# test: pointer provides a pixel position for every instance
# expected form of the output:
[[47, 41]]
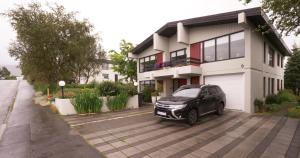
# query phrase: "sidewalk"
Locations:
[[34, 132]]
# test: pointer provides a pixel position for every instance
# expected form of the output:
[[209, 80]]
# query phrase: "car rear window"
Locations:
[[190, 92]]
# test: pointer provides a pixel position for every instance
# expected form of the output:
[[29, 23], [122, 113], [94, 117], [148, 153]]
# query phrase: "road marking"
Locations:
[[115, 118]]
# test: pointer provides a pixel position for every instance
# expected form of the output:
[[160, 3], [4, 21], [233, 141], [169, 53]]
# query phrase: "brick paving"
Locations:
[[137, 133]]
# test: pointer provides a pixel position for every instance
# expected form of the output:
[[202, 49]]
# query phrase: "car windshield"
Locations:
[[190, 93]]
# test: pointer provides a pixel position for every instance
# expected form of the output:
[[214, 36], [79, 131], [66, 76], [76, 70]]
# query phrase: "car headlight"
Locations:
[[180, 106]]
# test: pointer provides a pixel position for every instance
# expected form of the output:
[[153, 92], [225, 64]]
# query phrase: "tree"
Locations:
[[51, 44], [4, 72], [285, 14], [122, 64], [92, 67], [292, 72]]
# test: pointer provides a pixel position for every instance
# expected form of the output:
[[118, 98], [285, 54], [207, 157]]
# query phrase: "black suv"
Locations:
[[190, 102]]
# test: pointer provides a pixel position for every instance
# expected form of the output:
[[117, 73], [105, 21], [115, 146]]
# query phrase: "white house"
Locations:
[[223, 49], [106, 73]]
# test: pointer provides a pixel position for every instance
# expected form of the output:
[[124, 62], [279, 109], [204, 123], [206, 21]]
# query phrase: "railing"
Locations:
[[172, 63]]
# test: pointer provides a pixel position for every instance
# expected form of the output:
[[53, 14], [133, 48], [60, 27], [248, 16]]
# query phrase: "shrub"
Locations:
[[73, 85], [129, 88], [273, 99], [286, 96], [147, 95], [87, 102], [273, 107], [107, 88], [38, 86], [294, 112], [259, 105], [118, 102]]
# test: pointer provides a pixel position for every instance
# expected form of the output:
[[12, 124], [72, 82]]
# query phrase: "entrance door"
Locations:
[[195, 80]]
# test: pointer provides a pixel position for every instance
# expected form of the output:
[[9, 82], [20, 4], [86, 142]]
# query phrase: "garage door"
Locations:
[[233, 86]]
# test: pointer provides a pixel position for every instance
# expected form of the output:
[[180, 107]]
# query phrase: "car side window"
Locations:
[[204, 91], [212, 90]]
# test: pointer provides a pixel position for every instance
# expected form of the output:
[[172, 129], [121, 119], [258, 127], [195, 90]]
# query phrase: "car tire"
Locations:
[[220, 109], [192, 117]]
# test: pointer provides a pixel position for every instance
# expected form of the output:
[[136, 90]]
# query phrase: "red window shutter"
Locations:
[[196, 51], [159, 59]]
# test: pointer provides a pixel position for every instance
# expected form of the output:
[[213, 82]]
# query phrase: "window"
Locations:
[[269, 86], [223, 48], [105, 76], [281, 85], [116, 78], [265, 52], [278, 85], [105, 66], [282, 59], [237, 45], [272, 86], [147, 63], [271, 57], [178, 57], [148, 83], [264, 86], [278, 59], [212, 90], [142, 64], [209, 51]]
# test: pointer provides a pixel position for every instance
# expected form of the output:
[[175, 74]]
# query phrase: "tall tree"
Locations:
[[4, 72], [292, 72], [122, 64], [285, 14], [52, 44]]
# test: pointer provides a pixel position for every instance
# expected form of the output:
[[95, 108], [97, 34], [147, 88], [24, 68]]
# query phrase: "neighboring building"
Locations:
[[106, 74], [223, 49]]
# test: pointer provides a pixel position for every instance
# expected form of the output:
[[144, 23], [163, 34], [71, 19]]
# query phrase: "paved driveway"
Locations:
[[234, 135]]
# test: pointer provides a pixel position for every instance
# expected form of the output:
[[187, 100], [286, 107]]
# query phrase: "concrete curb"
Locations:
[[10, 109]]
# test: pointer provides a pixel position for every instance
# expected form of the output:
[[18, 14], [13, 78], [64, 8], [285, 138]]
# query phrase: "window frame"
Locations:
[[278, 59], [264, 86], [216, 49], [176, 55], [143, 58], [229, 47], [105, 76], [273, 57], [265, 52], [150, 83]]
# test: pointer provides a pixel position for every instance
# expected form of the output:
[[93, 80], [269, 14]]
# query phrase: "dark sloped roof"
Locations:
[[255, 15]]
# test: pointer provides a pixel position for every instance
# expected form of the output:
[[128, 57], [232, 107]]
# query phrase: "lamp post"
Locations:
[[62, 84]]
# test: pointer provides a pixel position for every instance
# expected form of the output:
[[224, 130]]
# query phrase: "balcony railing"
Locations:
[[172, 63]]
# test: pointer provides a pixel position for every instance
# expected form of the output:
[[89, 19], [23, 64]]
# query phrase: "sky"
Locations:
[[132, 20]]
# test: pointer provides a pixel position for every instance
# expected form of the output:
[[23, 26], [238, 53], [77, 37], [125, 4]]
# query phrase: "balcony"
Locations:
[[172, 63], [173, 68]]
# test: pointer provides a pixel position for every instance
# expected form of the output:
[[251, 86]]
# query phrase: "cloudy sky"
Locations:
[[133, 20]]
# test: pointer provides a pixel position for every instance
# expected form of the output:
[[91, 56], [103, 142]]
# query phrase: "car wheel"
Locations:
[[192, 117], [220, 109]]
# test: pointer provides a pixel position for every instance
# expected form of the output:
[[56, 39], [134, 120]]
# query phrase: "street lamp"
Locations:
[[62, 84]]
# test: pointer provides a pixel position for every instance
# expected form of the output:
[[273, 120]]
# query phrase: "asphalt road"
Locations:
[[35, 132], [8, 89]]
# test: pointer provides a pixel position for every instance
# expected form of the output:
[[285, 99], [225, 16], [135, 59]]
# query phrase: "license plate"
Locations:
[[161, 113]]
